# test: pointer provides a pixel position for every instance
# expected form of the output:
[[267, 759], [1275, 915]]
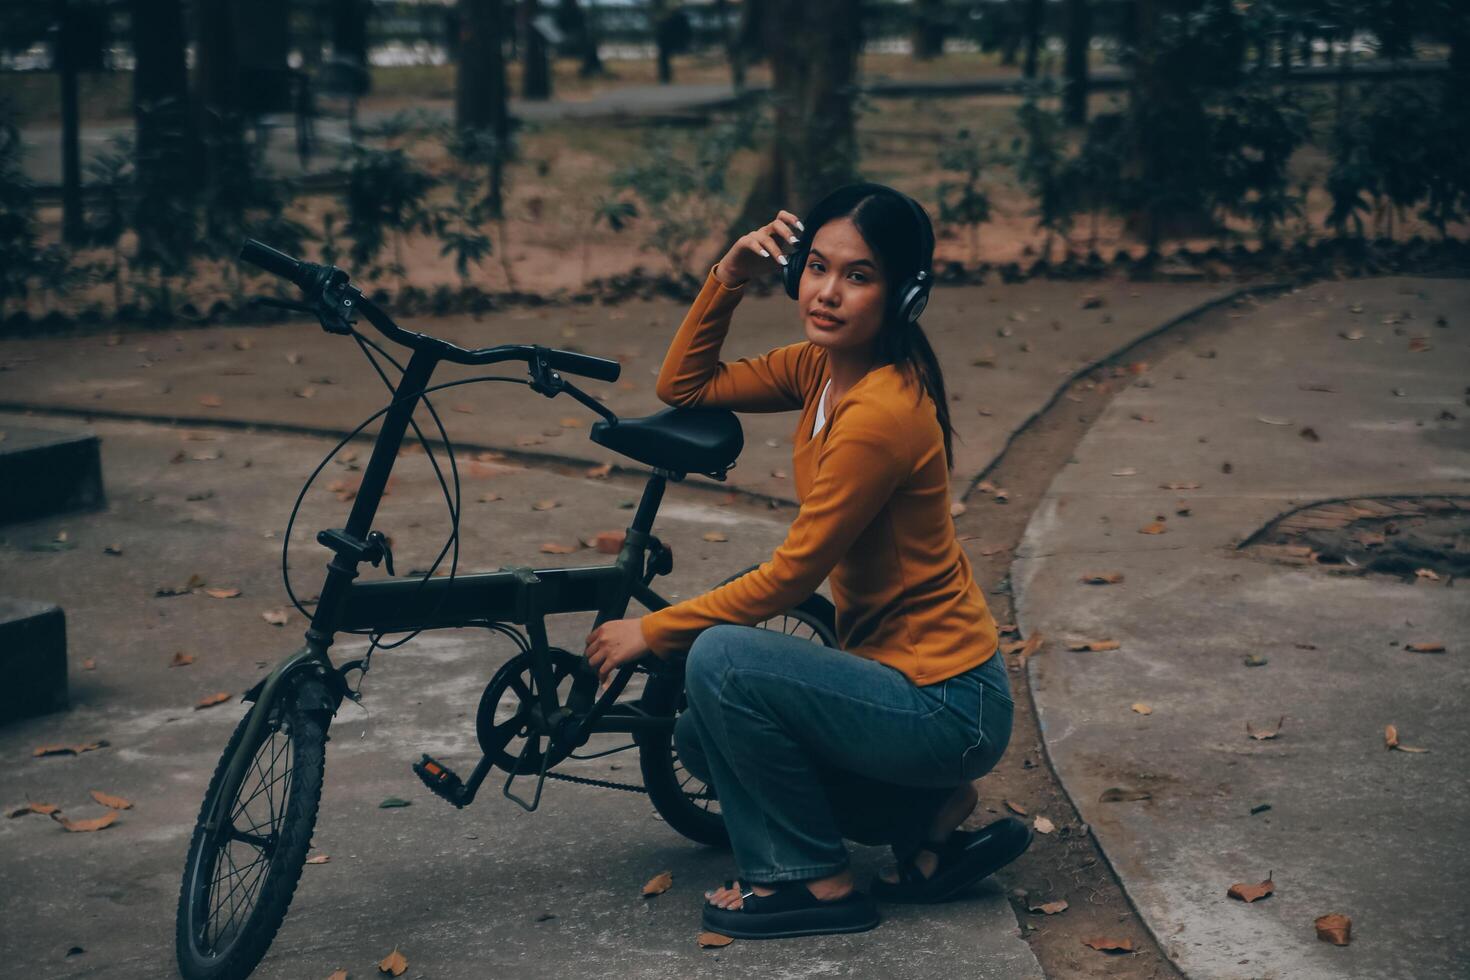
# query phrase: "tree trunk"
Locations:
[[73, 226], [165, 140], [732, 48], [216, 77], [480, 92], [813, 47], [536, 60], [658, 12], [349, 30], [1035, 22], [1079, 38], [928, 29]]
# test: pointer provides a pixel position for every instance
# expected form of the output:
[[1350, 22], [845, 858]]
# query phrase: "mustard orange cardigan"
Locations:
[[874, 493]]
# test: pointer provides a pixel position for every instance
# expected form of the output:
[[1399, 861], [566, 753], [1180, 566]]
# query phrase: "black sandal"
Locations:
[[792, 911], [965, 857]]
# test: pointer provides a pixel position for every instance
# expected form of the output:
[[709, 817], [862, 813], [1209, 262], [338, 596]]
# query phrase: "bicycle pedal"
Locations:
[[442, 781]]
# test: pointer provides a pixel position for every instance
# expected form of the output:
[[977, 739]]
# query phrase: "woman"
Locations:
[[880, 740]]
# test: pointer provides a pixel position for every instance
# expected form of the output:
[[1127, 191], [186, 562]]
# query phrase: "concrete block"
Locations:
[[32, 659], [45, 472]]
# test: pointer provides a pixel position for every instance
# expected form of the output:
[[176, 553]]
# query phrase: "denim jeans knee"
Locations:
[[708, 659]]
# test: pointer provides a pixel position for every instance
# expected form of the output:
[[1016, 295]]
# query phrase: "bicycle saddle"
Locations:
[[684, 440]]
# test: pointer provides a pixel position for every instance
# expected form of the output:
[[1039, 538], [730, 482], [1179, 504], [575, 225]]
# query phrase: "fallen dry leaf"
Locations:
[[394, 964], [211, 401], [86, 826], [547, 504], [1102, 578], [318, 859], [1118, 794], [107, 799], [1015, 808], [89, 664], [713, 940], [609, 542], [1126, 471], [212, 700], [223, 593], [1049, 908], [1391, 741], [553, 548], [1093, 645], [1250, 893], [1272, 420], [570, 422], [276, 617], [45, 750], [658, 884], [338, 974], [490, 498], [1043, 825], [181, 659], [1179, 486], [598, 472], [1140, 708], [1261, 736], [1334, 928], [714, 536], [1429, 647], [44, 809], [1157, 527], [1105, 945]]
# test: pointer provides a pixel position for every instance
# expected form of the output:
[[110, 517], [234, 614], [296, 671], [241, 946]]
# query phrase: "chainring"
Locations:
[[504, 719]]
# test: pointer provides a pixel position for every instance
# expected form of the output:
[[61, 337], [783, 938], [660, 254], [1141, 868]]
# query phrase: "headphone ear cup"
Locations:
[[791, 274]]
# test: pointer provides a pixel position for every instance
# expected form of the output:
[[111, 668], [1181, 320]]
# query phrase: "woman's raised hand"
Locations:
[[754, 253]]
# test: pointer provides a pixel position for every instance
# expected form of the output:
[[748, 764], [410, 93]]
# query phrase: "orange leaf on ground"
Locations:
[[1093, 645], [658, 884], [1015, 808], [1102, 578], [86, 826], [394, 964], [1179, 485], [1391, 741], [212, 700], [276, 617], [107, 799], [1430, 647], [1049, 908], [89, 664], [318, 859], [222, 593], [70, 749], [552, 548], [1250, 893], [609, 542], [1335, 928], [1106, 945], [1261, 736], [181, 659], [1157, 527], [211, 401], [1044, 826], [715, 536], [598, 472], [1140, 708], [44, 809], [713, 940], [547, 504]]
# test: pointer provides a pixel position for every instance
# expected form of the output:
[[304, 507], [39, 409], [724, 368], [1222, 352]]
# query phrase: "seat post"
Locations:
[[653, 495]]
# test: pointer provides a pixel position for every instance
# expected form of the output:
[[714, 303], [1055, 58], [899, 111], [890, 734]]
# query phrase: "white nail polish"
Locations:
[[765, 253], [793, 239], [781, 259], [800, 226]]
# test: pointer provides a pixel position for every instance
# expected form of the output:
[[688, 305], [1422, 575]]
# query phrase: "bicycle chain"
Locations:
[[600, 783]]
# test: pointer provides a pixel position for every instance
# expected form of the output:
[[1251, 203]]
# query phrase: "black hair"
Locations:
[[888, 226]]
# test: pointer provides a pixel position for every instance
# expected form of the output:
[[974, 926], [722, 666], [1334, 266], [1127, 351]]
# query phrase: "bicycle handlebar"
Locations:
[[314, 280]]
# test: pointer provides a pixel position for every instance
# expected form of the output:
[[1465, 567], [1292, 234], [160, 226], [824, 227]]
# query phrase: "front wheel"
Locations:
[[680, 797], [239, 879]]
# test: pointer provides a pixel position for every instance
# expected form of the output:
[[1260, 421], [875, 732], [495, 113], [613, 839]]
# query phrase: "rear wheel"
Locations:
[[239, 879], [680, 797]]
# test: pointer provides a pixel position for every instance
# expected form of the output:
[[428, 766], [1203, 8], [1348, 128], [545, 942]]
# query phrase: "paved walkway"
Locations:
[[1345, 825]]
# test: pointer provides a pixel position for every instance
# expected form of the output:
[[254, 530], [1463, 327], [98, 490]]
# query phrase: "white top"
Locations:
[[821, 415]]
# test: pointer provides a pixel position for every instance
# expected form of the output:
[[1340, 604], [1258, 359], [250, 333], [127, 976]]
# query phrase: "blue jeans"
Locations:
[[805, 745]]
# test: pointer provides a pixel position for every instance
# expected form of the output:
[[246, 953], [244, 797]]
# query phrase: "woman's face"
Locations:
[[842, 292]]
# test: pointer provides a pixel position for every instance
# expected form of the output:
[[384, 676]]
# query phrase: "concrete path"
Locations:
[[464, 894], [1345, 825], [172, 374]]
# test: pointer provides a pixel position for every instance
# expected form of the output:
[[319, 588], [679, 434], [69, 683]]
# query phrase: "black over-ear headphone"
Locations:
[[908, 300]]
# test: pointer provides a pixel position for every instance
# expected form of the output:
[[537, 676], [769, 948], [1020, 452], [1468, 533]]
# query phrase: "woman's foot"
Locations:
[[828, 889], [961, 804]]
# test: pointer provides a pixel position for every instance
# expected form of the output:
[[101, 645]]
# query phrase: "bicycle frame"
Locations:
[[515, 594]]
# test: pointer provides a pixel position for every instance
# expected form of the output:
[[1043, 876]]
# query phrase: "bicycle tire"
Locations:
[[306, 737], [688, 811]]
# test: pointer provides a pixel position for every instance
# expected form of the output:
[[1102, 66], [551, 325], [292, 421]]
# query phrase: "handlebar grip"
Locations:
[[271, 260], [586, 365]]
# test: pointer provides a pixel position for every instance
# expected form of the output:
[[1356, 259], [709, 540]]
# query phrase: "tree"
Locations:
[[535, 58], [928, 29], [1035, 28], [165, 131], [813, 49], [1079, 38], [671, 35], [480, 87]]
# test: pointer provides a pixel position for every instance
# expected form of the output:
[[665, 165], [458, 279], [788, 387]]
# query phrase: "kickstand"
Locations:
[[540, 777]]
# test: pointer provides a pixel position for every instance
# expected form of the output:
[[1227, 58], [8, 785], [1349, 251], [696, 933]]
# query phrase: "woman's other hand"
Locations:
[[754, 253], [613, 644]]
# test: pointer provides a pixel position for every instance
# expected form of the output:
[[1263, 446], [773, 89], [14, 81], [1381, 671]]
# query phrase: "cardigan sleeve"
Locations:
[[693, 376], [865, 459]]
